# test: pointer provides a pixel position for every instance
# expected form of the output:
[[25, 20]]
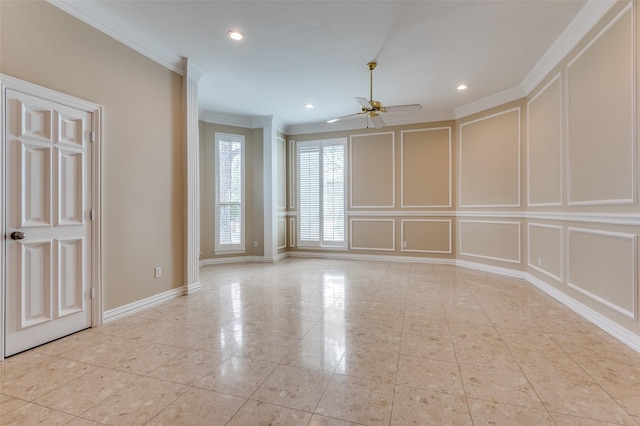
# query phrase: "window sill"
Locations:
[[336, 248], [223, 252]]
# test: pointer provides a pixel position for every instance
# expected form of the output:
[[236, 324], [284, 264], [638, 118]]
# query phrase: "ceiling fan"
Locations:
[[373, 108]]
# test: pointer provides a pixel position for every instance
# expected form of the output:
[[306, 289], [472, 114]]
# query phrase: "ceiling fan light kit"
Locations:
[[372, 108]]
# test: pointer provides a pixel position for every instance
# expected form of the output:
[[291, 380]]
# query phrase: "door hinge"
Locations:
[[91, 214], [93, 293], [92, 136]]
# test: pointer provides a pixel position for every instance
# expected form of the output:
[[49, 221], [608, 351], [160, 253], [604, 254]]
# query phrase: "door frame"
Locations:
[[8, 82]]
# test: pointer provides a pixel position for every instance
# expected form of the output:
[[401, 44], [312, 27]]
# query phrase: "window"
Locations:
[[229, 154], [321, 193]]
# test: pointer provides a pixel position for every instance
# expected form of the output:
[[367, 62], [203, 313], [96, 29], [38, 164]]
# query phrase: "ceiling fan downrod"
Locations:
[[371, 66]]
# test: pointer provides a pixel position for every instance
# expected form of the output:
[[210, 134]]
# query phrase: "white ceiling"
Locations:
[[303, 51]]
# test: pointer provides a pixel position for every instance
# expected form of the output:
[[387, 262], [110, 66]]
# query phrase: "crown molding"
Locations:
[[584, 21], [192, 70], [91, 14], [243, 121], [358, 123], [492, 101], [581, 24]]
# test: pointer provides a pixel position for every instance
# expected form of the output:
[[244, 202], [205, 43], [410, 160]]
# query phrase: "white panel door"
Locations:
[[48, 240]]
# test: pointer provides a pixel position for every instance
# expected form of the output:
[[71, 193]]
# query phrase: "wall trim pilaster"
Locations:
[[192, 178]]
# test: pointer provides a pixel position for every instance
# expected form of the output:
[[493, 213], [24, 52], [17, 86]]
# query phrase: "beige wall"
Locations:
[[254, 205], [426, 168], [600, 98], [546, 185], [142, 155], [582, 130], [545, 150], [400, 190], [489, 160]]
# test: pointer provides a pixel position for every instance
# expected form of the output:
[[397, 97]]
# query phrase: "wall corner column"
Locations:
[[192, 74], [270, 153]]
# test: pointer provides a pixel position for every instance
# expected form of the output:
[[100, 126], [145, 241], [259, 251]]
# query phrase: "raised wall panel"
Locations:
[[489, 152], [601, 265], [70, 187], [372, 170], [545, 249], [70, 277], [496, 240], [282, 233], [35, 283], [36, 185], [544, 146], [601, 146], [426, 167], [373, 234], [426, 235]]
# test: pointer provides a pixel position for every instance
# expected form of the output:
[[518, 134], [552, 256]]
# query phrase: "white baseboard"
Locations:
[[140, 305], [370, 257], [230, 259], [599, 320], [596, 318], [242, 259], [492, 269], [188, 289]]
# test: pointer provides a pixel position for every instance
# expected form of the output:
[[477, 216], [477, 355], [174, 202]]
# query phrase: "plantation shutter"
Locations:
[[333, 193], [309, 192], [230, 192], [321, 193]]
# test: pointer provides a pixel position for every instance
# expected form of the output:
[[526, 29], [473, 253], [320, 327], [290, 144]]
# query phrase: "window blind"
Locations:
[[321, 193], [333, 193], [309, 189], [229, 163]]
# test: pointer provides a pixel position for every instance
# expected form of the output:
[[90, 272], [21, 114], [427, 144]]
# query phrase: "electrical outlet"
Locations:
[[404, 244], [539, 261], [255, 244], [158, 272]]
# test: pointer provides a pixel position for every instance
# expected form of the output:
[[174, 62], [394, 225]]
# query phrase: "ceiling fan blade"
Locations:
[[403, 108], [363, 103], [333, 120], [377, 121]]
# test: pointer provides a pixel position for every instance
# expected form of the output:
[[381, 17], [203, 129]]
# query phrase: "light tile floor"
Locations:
[[330, 342]]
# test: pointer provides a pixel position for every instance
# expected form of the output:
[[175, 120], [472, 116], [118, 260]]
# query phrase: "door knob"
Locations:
[[17, 235]]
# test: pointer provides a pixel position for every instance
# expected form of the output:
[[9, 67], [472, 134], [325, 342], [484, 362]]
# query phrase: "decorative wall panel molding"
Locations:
[[292, 232], [489, 161], [545, 182], [601, 117], [282, 233], [426, 168], [281, 174], [426, 235], [292, 174], [493, 240], [372, 170], [372, 234], [540, 259], [602, 266]]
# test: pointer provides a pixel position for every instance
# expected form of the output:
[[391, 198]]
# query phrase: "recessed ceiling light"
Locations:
[[235, 35], [462, 87], [309, 106]]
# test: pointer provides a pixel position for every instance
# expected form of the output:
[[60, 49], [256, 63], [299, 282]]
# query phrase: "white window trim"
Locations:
[[229, 248], [321, 243]]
